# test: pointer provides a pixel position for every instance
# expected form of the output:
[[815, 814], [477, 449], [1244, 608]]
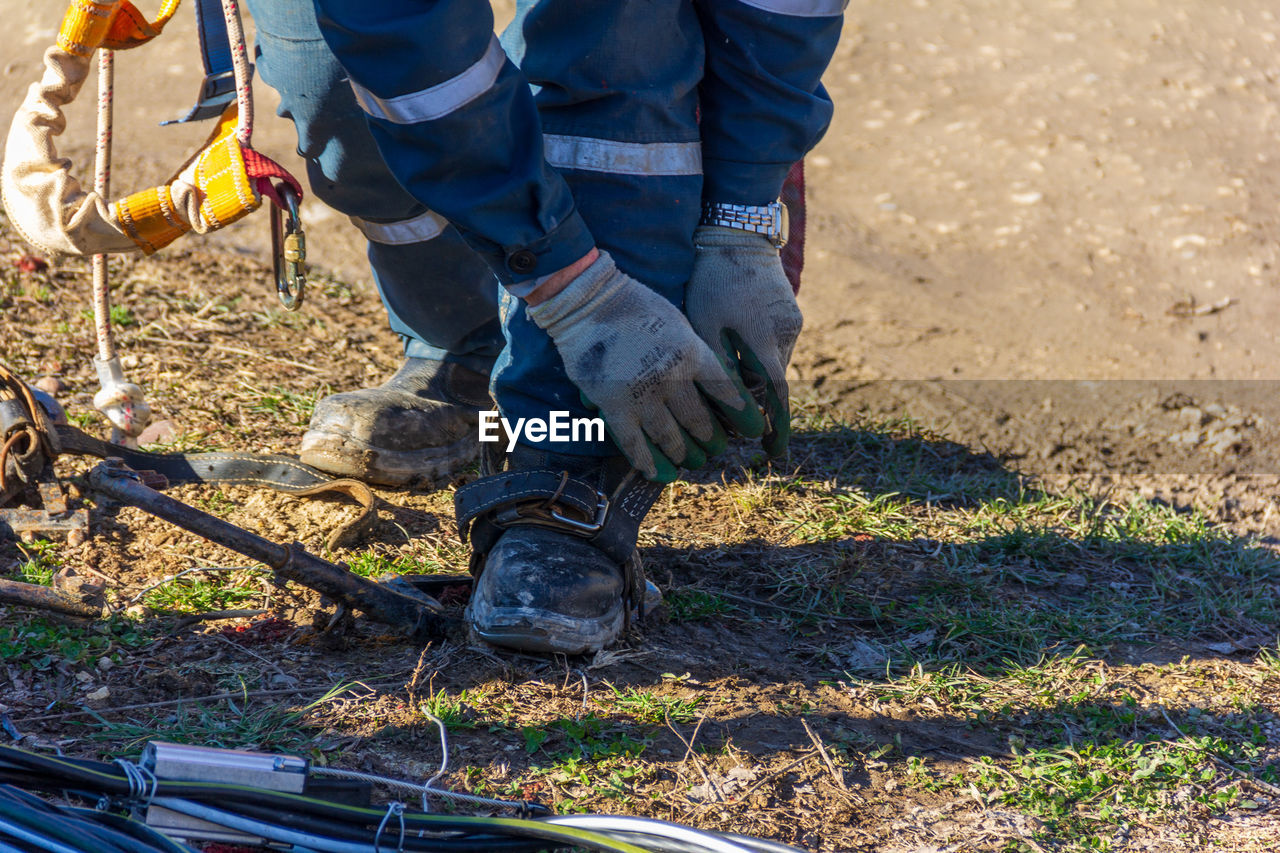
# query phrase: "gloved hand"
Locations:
[[633, 355], [740, 302]]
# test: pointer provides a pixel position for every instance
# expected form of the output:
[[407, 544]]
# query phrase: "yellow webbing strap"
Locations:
[[218, 173], [116, 24], [221, 175]]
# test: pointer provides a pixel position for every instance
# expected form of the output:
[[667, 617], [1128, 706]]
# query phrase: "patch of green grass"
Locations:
[[190, 594], [289, 406], [583, 758], [692, 605], [1083, 794], [590, 737], [119, 314], [37, 643], [216, 503], [232, 724], [435, 557], [369, 564], [1007, 582], [655, 708], [280, 318], [1269, 660], [84, 420], [842, 515], [41, 562], [453, 711], [1087, 757], [896, 455]]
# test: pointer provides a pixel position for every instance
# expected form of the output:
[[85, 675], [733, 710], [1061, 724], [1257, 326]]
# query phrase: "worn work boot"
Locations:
[[419, 428], [553, 544]]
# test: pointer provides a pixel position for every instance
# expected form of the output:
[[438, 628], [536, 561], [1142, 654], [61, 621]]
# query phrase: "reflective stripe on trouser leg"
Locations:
[[441, 297], [800, 8], [616, 89], [346, 172]]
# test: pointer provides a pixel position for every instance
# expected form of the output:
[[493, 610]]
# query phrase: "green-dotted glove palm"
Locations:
[[635, 357], [740, 302]]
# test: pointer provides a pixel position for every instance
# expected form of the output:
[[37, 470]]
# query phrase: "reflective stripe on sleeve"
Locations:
[[623, 158], [419, 229], [439, 100], [800, 8]]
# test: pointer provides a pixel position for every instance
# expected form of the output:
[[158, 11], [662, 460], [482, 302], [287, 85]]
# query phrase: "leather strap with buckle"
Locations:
[[553, 499]]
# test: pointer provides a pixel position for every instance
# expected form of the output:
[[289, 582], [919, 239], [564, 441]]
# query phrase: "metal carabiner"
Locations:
[[288, 250]]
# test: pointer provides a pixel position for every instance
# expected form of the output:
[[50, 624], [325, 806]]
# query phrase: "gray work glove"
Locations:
[[740, 302], [634, 357]]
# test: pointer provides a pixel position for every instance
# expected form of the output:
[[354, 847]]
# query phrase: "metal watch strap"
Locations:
[[769, 220]]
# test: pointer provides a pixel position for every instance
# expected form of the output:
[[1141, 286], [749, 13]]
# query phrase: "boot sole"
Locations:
[[430, 468], [529, 630]]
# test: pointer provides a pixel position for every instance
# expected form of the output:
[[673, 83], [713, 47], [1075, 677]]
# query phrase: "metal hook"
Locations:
[[288, 250], [397, 809]]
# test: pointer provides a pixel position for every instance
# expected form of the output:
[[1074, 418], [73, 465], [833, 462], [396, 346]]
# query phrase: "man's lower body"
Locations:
[[419, 427], [553, 535], [616, 88]]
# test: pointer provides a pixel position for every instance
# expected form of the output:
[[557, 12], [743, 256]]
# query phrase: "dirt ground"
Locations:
[[1045, 231]]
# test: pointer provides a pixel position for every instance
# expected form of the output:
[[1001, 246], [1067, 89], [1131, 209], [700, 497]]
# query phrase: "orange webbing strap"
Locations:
[[116, 24], [131, 28], [147, 218], [85, 25]]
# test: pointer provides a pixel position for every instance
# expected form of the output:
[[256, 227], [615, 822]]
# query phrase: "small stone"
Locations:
[[159, 432], [83, 677], [99, 695], [1027, 198], [50, 385]]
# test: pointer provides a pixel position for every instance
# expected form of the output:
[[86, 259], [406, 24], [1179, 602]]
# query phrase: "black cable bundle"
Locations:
[[30, 825]]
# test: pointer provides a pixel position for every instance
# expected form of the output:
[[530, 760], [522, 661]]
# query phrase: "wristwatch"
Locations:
[[767, 219]]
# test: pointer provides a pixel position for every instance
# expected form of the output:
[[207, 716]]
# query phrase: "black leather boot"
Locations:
[[553, 543]]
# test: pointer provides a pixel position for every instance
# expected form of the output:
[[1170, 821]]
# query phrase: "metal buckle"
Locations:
[[782, 224], [602, 512], [218, 86], [288, 250]]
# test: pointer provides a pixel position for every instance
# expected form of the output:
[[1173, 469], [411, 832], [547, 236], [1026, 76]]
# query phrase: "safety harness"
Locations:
[[225, 180], [221, 183]]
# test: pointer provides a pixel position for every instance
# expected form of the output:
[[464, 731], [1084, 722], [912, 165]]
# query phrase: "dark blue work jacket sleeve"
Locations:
[[763, 105], [456, 123]]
